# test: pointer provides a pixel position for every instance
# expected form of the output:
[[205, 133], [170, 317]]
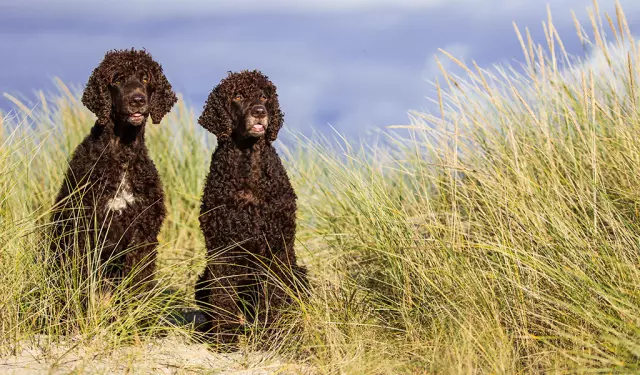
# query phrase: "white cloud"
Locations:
[[612, 74]]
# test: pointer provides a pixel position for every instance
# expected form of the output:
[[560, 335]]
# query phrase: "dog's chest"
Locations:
[[247, 196], [123, 196]]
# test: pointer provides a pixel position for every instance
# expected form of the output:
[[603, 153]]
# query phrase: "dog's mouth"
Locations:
[[136, 118], [257, 126]]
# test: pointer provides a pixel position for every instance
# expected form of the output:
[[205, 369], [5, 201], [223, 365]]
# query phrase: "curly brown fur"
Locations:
[[248, 211], [112, 198]]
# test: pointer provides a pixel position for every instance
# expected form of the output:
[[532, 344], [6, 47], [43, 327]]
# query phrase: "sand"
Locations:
[[171, 355]]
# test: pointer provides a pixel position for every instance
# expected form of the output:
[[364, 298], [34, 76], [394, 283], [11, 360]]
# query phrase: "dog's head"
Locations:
[[243, 105], [128, 86]]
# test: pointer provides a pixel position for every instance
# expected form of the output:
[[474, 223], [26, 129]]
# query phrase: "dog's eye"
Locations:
[[116, 80], [263, 98], [237, 98], [145, 79]]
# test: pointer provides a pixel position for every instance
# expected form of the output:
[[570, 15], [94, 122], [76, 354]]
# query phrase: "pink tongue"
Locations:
[[258, 127]]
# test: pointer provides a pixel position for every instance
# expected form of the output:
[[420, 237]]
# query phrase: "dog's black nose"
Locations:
[[138, 99], [258, 111]]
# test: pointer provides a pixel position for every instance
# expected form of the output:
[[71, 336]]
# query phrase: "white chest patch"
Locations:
[[123, 196]]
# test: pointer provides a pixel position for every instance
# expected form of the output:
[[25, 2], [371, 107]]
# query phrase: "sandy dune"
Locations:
[[166, 356]]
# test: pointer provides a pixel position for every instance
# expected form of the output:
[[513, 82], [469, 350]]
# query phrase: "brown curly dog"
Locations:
[[248, 211], [111, 203]]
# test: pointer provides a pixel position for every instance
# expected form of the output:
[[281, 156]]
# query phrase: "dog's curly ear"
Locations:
[[276, 117], [215, 115], [96, 96], [163, 97]]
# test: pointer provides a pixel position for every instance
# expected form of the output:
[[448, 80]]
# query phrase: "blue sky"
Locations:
[[356, 65]]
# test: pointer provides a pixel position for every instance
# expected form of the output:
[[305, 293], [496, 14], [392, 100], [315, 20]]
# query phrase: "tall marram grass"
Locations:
[[502, 236]]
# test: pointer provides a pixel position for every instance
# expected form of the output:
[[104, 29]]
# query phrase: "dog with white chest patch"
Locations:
[[111, 202]]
